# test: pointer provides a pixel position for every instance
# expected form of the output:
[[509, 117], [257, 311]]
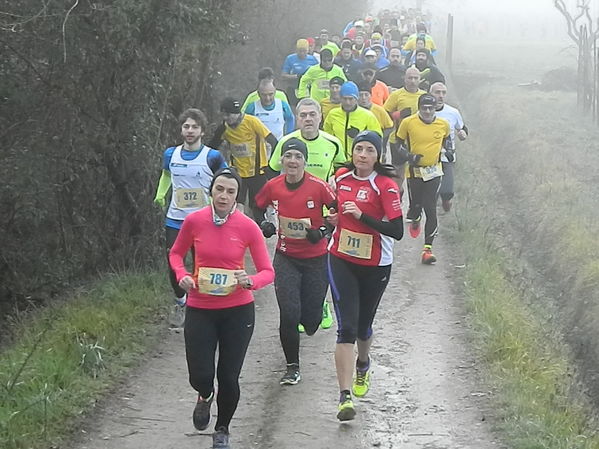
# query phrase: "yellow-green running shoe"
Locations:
[[300, 328], [327, 317], [361, 383], [346, 410]]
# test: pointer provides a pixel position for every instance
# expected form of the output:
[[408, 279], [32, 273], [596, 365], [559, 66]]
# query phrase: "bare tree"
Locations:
[[584, 31], [578, 20]]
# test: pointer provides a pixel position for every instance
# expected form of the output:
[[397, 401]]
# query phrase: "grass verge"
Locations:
[[528, 365], [65, 356]]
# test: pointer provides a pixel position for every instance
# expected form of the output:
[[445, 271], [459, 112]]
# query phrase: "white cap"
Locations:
[[370, 52]]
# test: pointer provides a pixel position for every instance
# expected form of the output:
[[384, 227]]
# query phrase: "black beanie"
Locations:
[[227, 172], [372, 137], [295, 144]]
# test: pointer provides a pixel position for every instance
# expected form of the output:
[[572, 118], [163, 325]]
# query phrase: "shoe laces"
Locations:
[[361, 377]]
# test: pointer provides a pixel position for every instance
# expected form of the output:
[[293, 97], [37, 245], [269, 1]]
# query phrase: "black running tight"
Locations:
[[231, 331]]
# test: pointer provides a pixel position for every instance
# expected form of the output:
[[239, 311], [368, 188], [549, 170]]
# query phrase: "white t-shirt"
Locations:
[[453, 116]]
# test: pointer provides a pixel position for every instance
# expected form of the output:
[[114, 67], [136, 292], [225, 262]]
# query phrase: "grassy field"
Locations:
[[66, 356], [527, 222]]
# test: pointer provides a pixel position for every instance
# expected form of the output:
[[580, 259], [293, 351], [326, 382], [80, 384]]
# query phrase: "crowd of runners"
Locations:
[[320, 162]]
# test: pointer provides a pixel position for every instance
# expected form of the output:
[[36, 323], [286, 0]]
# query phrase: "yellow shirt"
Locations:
[[410, 45], [339, 122], [424, 138], [247, 145], [382, 116], [327, 105], [402, 100]]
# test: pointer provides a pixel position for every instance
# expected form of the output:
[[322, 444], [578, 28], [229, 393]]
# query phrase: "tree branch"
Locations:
[[572, 30]]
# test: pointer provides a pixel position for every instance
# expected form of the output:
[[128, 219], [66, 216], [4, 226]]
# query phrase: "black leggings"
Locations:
[[301, 286], [357, 291], [229, 329], [423, 195], [446, 189], [171, 236]]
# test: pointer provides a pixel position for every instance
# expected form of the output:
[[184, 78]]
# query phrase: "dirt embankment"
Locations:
[[536, 158]]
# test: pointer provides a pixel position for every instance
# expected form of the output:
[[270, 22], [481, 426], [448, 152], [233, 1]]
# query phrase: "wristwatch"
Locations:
[[249, 283]]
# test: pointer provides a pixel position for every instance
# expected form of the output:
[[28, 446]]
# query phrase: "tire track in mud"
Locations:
[[423, 391]]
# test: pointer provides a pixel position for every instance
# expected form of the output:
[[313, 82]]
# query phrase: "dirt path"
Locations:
[[423, 392]]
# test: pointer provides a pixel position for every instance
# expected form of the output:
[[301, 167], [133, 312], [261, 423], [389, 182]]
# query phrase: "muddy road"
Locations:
[[424, 391]]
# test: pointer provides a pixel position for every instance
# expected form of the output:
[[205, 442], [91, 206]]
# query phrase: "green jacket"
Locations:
[[315, 82]]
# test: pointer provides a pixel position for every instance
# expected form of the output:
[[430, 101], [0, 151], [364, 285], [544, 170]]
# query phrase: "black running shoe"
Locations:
[[220, 439], [292, 376], [201, 413]]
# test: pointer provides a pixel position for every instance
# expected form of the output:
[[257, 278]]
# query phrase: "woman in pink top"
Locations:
[[220, 304]]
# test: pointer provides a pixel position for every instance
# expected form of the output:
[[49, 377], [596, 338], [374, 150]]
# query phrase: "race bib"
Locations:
[[216, 281], [241, 150], [431, 172], [294, 228], [323, 84], [355, 244], [190, 198]]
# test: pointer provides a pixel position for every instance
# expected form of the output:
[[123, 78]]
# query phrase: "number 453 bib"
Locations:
[[294, 228], [216, 281], [355, 244]]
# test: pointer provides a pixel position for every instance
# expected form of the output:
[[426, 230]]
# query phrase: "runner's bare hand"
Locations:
[[187, 283], [349, 207]]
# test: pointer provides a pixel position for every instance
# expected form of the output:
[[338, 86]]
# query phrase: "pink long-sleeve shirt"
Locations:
[[221, 247]]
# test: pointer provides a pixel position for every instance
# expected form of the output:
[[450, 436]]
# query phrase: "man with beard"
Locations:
[[246, 137], [393, 75], [187, 169], [429, 73], [349, 120], [456, 128], [379, 90], [315, 82], [345, 59], [422, 137]]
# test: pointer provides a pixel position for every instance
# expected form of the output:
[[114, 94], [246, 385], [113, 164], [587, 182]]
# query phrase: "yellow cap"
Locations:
[[302, 44]]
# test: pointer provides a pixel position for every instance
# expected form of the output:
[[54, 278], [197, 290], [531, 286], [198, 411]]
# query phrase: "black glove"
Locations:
[[352, 132], [450, 155], [268, 229], [315, 235], [413, 159]]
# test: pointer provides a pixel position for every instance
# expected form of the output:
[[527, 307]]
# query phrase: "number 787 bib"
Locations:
[[216, 281]]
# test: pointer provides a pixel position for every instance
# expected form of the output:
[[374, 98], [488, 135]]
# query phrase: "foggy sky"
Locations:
[[505, 19]]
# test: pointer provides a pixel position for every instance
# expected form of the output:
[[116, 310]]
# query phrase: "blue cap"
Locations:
[[349, 89], [373, 137]]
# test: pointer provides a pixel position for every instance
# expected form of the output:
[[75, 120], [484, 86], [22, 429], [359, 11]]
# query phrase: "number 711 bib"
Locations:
[[355, 244], [216, 281]]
